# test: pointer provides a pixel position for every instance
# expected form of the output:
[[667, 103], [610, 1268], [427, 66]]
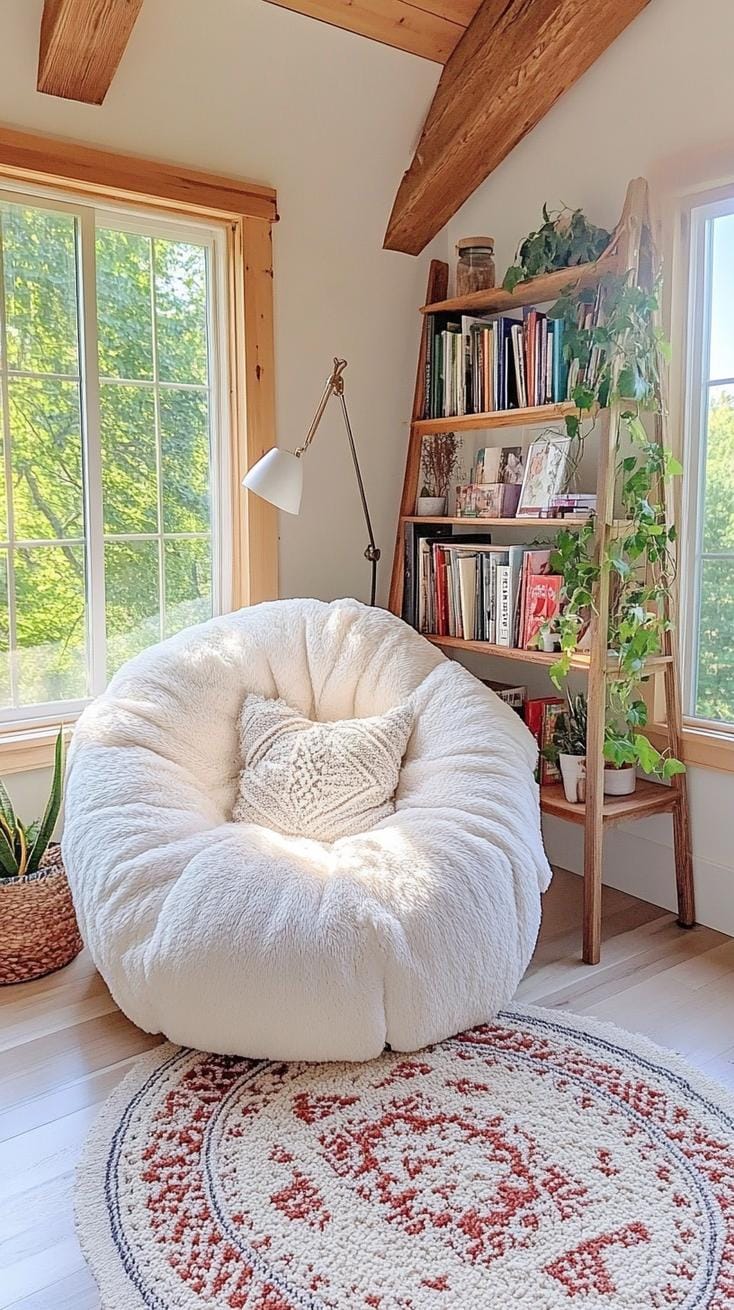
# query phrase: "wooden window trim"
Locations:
[[247, 210], [676, 184]]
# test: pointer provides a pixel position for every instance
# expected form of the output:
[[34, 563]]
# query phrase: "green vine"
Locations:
[[619, 355], [565, 238]]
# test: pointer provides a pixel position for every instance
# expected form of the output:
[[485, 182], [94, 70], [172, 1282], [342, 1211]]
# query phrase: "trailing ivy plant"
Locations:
[[624, 348], [565, 238]]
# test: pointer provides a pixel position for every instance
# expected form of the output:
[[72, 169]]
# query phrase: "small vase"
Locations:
[[549, 642], [573, 772], [431, 506], [620, 782]]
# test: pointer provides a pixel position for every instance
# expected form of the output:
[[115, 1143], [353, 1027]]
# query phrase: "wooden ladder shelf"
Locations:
[[631, 248]]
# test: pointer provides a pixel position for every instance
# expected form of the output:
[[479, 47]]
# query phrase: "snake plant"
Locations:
[[21, 848]]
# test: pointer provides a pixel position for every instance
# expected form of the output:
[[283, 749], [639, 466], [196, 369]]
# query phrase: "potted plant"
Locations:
[[440, 461], [568, 748], [38, 928]]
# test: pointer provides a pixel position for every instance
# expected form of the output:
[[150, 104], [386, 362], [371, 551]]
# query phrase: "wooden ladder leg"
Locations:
[[682, 845]]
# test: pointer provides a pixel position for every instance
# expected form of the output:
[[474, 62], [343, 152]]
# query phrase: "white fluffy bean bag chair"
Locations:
[[236, 939]]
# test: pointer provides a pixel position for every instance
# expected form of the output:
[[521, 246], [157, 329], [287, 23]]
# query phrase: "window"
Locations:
[[114, 505], [708, 558]]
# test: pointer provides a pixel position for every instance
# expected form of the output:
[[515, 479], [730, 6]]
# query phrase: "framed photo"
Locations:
[[545, 474]]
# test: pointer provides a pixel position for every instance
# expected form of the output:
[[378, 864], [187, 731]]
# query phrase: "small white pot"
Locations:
[[550, 642], [620, 782], [573, 772], [431, 506]]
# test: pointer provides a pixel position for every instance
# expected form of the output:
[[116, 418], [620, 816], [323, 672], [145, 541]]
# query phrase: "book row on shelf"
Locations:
[[478, 364], [469, 588], [540, 714]]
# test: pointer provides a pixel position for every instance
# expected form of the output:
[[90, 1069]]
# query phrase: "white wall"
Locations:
[[329, 119], [662, 89]]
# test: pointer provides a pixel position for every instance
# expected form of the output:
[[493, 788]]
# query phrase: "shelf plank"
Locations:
[[498, 418], [536, 291], [466, 522], [649, 798], [579, 661]]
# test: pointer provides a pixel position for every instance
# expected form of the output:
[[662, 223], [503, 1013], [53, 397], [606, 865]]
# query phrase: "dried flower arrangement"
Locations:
[[440, 463]]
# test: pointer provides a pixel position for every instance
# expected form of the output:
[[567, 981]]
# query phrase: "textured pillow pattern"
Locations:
[[319, 780]]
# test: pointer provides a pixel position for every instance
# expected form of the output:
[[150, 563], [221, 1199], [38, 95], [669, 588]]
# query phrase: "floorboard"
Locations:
[[64, 1046]]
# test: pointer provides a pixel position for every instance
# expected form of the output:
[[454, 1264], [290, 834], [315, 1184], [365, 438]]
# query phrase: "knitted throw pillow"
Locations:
[[320, 780]]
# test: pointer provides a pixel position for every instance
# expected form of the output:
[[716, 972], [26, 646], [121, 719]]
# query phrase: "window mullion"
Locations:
[[92, 440], [158, 453]]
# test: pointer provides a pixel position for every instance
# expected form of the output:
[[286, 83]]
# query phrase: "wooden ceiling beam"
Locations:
[[514, 60], [430, 28], [82, 43]]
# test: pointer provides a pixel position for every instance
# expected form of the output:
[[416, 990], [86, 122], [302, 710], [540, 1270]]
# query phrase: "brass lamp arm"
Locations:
[[335, 387]]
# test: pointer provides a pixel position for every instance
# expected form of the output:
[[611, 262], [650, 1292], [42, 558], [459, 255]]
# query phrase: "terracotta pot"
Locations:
[[38, 928]]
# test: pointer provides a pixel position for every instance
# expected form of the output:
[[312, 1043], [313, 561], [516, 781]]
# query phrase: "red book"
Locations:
[[542, 602], [442, 612], [540, 714]]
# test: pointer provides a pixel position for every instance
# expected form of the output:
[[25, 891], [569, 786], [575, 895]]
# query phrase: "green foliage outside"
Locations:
[[715, 691], [151, 310]]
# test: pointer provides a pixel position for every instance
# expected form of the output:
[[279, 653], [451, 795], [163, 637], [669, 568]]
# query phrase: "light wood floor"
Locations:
[[64, 1046]]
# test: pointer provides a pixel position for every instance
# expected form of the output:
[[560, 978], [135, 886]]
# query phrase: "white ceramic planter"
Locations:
[[620, 782], [430, 506], [549, 642], [573, 772]]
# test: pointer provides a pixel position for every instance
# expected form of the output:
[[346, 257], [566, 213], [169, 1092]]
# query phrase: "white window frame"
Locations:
[[693, 267], [163, 224]]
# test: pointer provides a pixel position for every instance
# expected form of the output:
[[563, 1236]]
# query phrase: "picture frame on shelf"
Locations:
[[546, 469]]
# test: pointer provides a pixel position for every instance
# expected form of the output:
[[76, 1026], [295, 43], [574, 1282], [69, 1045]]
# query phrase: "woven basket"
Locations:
[[38, 927]]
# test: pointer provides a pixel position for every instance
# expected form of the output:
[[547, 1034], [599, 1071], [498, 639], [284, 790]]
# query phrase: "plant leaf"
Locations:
[[8, 858], [51, 814]]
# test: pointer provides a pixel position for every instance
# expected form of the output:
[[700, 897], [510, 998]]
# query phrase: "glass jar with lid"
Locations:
[[475, 265]]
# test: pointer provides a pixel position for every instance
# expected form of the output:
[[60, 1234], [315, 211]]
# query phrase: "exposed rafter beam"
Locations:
[[430, 28], [511, 65], [82, 43]]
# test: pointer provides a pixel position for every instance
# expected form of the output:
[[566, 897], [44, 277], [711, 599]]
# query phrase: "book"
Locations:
[[534, 713], [467, 569], [503, 605], [542, 603], [536, 561], [549, 771], [512, 695]]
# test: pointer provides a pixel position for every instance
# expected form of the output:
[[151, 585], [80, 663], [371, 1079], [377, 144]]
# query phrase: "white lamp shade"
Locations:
[[277, 477]]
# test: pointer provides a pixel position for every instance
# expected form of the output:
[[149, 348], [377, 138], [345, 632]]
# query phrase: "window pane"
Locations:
[[3, 495], [188, 584], [721, 363], [180, 306], [132, 603], [124, 315], [715, 692], [5, 689], [184, 424], [718, 529], [51, 659], [46, 459], [129, 475], [39, 260]]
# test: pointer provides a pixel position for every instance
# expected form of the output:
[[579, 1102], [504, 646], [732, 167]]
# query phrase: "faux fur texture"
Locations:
[[321, 780], [236, 939]]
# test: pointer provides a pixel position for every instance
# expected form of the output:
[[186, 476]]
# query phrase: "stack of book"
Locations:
[[479, 364], [575, 505], [477, 591], [494, 490]]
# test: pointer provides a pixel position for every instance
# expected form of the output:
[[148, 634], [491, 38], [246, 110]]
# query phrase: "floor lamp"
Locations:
[[278, 475]]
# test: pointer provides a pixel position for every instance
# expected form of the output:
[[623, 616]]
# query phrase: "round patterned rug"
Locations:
[[540, 1161]]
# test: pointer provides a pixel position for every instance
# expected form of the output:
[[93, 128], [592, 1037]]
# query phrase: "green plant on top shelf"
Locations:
[[564, 239], [620, 355], [23, 848]]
